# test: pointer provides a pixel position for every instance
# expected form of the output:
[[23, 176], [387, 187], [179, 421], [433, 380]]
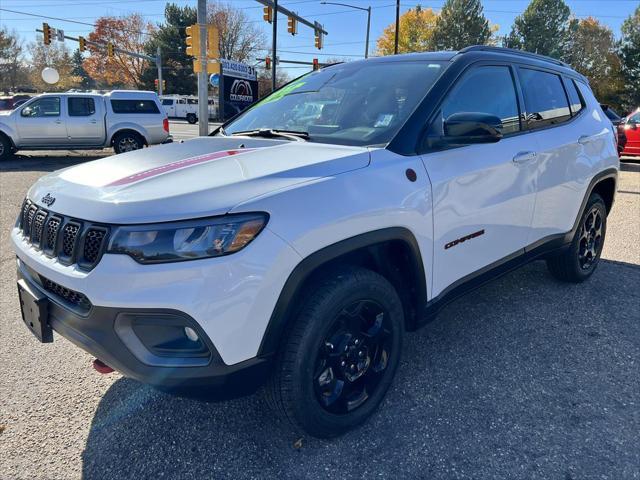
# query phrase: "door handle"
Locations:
[[57, 121], [524, 157], [94, 121]]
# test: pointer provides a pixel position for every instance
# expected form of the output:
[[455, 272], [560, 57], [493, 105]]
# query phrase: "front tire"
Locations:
[[127, 142], [191, 118], [580, 260], [341, 354], [6, 149]]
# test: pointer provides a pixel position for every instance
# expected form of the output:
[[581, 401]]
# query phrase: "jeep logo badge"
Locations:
[[48, 200]]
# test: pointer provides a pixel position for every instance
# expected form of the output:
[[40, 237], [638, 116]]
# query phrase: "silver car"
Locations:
[[125, 120]]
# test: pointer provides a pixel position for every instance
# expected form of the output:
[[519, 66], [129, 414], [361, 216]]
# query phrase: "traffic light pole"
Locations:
[[203, 93], [159, 65], [275, 42]]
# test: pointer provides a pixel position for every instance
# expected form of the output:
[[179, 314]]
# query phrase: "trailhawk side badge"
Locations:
[[48, 200], [463, 239]]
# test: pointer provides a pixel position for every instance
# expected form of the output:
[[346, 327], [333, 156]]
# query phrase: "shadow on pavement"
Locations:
[[525, 377], [48, 163]]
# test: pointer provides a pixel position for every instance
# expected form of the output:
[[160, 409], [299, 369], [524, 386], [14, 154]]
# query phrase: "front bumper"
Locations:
[[107, 334]]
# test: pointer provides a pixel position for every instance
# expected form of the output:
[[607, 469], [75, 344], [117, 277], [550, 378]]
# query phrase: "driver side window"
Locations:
[[43, 107], [488, 90]]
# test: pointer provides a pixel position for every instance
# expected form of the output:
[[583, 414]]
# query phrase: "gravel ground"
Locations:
[[524, 378]]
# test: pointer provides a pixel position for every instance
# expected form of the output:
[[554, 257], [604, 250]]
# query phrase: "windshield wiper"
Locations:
[[271, 133]]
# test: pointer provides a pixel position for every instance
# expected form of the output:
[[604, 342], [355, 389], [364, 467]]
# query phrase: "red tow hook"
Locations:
[[101, 367]]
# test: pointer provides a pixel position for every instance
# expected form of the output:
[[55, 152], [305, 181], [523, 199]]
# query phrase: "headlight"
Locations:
[[189, 240]]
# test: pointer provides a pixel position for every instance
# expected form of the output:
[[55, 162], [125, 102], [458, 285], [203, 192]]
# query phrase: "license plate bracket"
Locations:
[[34, 306]]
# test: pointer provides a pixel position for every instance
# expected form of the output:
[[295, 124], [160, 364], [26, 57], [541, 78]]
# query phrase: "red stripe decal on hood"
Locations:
[[169, 167]]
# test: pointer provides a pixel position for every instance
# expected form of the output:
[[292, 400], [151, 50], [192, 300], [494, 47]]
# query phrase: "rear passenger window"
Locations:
[[487, 90], [544, 98], [81, 107], [575, 100], [134, 106]]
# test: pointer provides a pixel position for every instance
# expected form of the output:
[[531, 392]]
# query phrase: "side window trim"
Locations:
[[583, 104]]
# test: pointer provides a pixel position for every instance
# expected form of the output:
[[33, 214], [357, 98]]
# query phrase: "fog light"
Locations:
[[191, 334]]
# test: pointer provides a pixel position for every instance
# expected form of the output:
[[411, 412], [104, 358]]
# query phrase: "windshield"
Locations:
[[349, 104]]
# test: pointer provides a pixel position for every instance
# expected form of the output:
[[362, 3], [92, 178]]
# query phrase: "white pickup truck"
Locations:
[[124, 120]]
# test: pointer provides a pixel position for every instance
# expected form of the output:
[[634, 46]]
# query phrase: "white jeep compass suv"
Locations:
[[297, 245]]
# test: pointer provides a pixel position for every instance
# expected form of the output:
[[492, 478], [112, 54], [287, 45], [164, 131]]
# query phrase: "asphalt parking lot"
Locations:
[[524, 378]]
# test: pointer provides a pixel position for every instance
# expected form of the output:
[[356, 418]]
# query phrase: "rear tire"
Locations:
[[127, 142], [579, 261], [191, 118], [6, 149], [341, 354]]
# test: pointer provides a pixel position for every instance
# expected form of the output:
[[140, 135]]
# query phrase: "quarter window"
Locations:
[[81, 107], [167, 101], [575, 100], [488, 90], [544, 98], [43, 107], [134, 106]]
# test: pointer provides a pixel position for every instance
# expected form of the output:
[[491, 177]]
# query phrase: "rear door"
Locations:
[[169, 105], [85, 121], [483, 194], [41, 123], [571, 135]]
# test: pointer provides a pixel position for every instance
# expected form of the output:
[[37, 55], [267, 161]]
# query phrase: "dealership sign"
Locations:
[[240, 86]]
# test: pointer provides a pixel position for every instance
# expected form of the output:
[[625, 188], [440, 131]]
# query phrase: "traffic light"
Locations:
[[318, 41], [193, 41], [292, 25], [316, 65], [164, 84], [213, 42], [267, 14], [82, 44], [110, 50], [46, 33], [267, 63]]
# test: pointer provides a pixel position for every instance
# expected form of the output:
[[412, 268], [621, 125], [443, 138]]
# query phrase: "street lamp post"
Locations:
[[368, 10]]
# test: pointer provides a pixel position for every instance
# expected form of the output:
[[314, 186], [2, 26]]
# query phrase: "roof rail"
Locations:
[[513, 51]]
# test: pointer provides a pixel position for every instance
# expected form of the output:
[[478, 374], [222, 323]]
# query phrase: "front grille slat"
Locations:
[[67, 239], [70, 296]]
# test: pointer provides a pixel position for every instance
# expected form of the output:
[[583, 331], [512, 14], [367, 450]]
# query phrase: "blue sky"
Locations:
[[346, 27]]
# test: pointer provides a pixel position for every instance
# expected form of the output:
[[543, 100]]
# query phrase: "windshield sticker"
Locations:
[[384, 120], [169, 167], [283, 92]]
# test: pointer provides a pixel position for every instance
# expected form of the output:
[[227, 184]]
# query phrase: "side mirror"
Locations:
[[27, 112], [466, 128]]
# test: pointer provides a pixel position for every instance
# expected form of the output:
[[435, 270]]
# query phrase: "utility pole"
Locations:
[[274, 46], [159, 65], [203, 90], [395, 48]]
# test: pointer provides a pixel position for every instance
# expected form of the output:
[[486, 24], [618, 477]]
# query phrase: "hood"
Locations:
[[198, 178]]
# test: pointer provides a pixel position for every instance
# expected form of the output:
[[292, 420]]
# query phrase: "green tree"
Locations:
[[630, 57], [85, 81], [416, 31], [461, 23], [591, 51], [542, 28], [177, 67], [12, 69]]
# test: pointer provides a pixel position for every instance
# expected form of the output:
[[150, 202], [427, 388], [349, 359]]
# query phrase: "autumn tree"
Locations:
[[56, 56], [630, 57], [416, 32], [591, 51], [461, 23], [542, 28], [128, 33], [240, 39], [12, 69]]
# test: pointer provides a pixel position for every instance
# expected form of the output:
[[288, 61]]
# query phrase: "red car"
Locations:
[[629, 135]]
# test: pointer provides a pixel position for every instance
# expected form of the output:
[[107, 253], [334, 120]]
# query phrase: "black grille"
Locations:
[[36, 228], [69, 296], [70, 240], [69, 236], [93, 244]]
